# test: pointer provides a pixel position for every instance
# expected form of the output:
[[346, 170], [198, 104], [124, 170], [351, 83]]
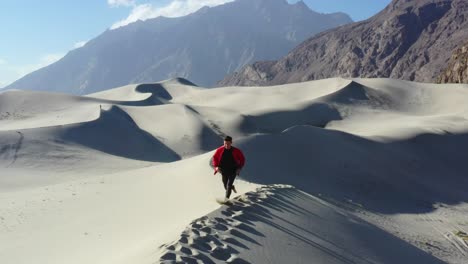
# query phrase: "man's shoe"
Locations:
[[234, 189]]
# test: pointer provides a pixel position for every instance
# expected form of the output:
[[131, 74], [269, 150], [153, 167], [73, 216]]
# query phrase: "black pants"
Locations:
[[228, 181]]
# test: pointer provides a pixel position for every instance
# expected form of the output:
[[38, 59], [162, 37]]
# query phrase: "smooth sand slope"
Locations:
[[338, 171]]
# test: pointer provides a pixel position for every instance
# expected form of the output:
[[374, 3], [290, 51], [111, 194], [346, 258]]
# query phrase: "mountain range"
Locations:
[[202, 47], [409, 39]]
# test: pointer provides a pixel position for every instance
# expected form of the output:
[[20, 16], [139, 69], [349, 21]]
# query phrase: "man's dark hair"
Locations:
[[228, 138]]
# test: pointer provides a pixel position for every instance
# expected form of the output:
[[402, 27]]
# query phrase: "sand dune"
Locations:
[[193, 136], [279, 216], [28, 109], [112, 218], [127, 140], [370, 166]]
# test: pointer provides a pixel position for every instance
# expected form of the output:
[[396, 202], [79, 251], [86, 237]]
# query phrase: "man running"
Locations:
[[228, 160]]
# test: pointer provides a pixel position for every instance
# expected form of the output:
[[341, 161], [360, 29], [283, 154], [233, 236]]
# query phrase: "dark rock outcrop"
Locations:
[[457, 70]]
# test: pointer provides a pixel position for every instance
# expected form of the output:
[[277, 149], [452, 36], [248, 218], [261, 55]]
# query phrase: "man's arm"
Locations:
[[241, 161], [216, 159]]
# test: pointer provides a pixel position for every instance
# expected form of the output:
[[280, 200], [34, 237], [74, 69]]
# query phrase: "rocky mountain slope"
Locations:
[[409, 39]]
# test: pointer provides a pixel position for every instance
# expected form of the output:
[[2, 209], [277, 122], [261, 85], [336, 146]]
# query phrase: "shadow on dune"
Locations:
[[291, 217], [159, 95], [182, 81], [156, 89], [115, 133], [317, 114], [209, 138], [408, 176], [355, 92]]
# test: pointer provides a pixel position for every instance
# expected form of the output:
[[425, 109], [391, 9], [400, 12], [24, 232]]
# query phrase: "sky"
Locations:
[[36, 33]]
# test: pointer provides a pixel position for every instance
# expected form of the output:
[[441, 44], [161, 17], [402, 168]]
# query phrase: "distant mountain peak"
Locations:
[[204, 9], [269, 4], [268, 1], [301, 4], [202, 47]]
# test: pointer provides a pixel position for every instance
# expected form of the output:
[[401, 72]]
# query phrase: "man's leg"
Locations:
[[225, 180], [230, 182]]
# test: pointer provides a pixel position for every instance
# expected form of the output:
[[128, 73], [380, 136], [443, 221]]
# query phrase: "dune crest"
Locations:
[[349, 170]]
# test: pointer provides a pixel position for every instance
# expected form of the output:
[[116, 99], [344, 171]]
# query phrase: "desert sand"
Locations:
[[338, 171]]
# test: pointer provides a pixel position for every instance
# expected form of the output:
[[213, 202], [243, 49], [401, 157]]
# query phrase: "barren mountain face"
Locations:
[[409, 39]]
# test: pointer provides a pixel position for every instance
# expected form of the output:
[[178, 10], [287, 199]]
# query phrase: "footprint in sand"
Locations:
[[211, 240]]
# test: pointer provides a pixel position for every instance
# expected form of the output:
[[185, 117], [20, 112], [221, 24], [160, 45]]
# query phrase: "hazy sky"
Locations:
[[35, 33]]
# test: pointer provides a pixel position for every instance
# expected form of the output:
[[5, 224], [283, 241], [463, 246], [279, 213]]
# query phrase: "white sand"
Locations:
[[374, 171]]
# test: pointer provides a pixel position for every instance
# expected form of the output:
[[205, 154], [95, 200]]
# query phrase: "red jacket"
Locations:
[[236, 154]]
